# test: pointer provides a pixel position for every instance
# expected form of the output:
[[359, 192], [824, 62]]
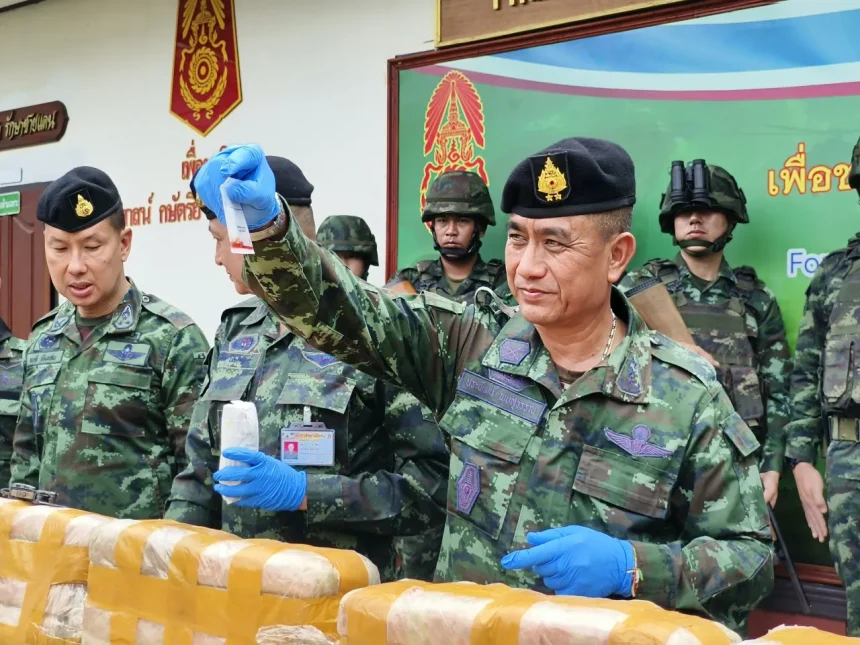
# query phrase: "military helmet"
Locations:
[[459, 192], [348, 234], [854, 174], [701, 186]]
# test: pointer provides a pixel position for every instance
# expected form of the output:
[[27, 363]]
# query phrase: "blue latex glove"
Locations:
[[578, 561], [270, 484], [254, 192]]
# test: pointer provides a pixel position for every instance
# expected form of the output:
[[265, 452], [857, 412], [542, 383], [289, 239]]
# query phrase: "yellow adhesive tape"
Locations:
[[499, 622], [185, 608], [41, 564]]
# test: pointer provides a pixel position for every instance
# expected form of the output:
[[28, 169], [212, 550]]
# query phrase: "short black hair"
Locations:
[[615, 222], [117, 220]]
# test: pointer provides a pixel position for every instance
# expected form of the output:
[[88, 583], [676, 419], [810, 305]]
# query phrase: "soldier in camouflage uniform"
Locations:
[[459, 209], [590, 456], [825, 402], [351, 239], [11, 379], [730, 313], [386, 473], [111, 375]]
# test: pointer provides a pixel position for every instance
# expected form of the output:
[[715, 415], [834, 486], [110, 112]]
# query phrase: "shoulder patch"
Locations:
[[668, 351], [748, 279], [167, 311]]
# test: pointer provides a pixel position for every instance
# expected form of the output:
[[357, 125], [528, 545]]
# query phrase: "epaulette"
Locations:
[[668, 351], [165, 310]]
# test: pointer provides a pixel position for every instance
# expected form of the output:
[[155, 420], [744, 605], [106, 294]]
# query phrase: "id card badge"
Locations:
[[307, 444]]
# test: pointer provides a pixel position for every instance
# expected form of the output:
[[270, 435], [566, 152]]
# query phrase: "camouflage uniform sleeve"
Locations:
[[803, 432], [184, 372], [416, 342], [26, 459], [722, 564], [774, 366], [192, 498], [406, 501], [634, 278]]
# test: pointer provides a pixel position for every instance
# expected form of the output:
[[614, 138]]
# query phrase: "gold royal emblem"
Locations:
[[83, 208], [552, 181]]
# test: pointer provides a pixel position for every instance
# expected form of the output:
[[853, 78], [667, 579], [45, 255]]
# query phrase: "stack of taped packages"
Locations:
[[163, 583], [44, 562], [786, 635]]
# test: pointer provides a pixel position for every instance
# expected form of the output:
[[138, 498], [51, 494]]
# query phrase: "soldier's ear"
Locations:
[[125, 243], [622, 248]]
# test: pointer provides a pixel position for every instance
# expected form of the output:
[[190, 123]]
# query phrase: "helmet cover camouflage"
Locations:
[[459, 192], [348, 234]]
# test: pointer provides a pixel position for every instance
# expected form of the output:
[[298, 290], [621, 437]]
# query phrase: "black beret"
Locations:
[[290, 182], [81, 198], [203, 207], [575, 176]]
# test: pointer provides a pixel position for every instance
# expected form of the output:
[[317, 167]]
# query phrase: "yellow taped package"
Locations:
[[43, 572], [415, 613], [787, 635], [163, 583]]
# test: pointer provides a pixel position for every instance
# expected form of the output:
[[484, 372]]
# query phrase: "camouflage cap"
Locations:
[[854, 174], [459, 192], [348, 234], [723, 194]]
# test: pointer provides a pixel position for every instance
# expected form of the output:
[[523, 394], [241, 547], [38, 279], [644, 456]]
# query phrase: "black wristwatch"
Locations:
[[791, 463]]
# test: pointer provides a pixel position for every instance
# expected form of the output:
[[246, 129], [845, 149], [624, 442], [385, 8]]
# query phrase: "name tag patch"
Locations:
[[501, 397], [44, 358], [126, 353], [307, 444]]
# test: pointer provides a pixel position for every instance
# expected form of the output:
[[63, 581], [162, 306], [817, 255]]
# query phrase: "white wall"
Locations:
[[314, 90]]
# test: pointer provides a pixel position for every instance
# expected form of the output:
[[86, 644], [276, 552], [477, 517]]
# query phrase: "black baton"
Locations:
[[782, 550]]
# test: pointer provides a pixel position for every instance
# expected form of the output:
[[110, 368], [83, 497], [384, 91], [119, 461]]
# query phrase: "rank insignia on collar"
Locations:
[[628, 381], [59, 323], [125, 318], [513, 351]]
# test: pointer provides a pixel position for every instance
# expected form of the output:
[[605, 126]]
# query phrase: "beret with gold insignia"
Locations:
[[576, 176], [81, 198]]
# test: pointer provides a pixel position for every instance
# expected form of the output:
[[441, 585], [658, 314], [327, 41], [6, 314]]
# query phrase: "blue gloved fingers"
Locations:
[[542, 537], [239, 490], [246, 455], [566, 583], [242, 161], [528, 558], [546, 569], [234, 474], [251, 193], [251, 501]]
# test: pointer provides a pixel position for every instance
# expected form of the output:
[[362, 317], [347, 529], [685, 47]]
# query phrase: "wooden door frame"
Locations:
[[6, 268], [597, 27]]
